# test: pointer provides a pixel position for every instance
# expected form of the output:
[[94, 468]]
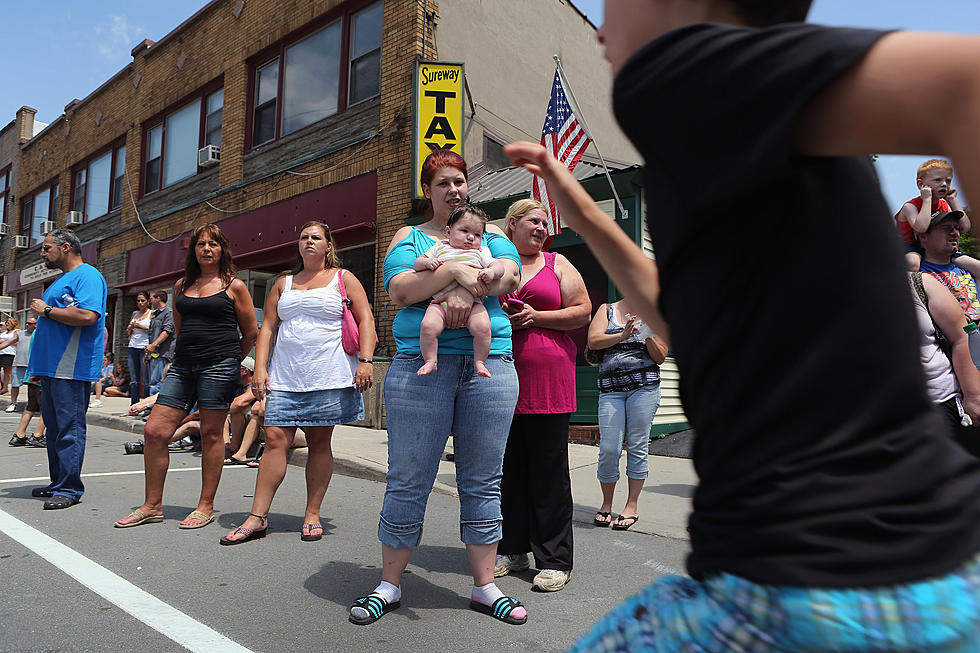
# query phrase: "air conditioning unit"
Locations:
[[74, 217], [21, 242], [4, 228], [208, 156], [48, 226]]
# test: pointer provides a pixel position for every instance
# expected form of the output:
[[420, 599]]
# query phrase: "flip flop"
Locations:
[[202, 519], [500, 610], [231, 460], [376, 606], [621, 522], [139, 517], [307, 534], [247, 532], [600, 522]]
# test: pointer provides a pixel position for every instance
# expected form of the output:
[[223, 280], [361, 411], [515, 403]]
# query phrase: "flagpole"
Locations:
[[588, 132]]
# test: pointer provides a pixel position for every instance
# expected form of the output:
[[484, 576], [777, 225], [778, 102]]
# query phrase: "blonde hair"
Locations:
[[14, 322], [519, 209], [933, 164]]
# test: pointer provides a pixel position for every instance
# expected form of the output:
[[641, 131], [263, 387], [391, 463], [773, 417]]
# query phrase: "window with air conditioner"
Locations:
[[37, 208], [97, 183]]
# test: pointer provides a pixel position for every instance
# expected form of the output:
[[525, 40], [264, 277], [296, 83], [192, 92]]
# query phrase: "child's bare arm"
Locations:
[[424, 263], [919, 219], [492, 272], [952, 198]]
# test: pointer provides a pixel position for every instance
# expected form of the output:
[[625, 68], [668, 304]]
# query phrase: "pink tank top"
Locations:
[[544, 358]]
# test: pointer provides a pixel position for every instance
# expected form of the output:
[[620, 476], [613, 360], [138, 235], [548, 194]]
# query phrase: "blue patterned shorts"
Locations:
[[728, 613]]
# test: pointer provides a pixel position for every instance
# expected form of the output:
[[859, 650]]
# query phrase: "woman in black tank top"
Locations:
[[216, 328]]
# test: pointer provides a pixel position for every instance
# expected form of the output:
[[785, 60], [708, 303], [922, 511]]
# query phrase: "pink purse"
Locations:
[[350, 334]]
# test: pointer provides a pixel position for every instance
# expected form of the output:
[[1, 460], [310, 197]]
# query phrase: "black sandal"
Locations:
[[247, 532], [623, 522], [599, 522], [376, 606], [501, 610]]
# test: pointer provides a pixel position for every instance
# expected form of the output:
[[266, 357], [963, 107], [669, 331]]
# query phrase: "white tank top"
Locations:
[[940, 380], [308, 354], [141, 337]]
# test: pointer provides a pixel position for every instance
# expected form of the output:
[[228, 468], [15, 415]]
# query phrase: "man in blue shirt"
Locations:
[[67, 356], [939, 245]]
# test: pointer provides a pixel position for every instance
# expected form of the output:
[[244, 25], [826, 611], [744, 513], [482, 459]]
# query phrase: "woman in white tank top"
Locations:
[[312, 382], [139, 338]]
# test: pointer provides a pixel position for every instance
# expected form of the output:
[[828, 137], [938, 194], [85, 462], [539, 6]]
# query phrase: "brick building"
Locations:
[[309, 103]]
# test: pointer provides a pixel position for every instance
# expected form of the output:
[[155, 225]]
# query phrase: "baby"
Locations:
[[464, 245]]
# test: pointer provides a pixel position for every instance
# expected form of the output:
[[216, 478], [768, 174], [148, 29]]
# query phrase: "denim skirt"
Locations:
[[314, 408]]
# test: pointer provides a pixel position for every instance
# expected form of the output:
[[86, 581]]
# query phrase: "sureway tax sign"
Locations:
[[438, 112]]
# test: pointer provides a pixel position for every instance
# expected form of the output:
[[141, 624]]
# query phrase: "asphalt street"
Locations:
[[69, 581]]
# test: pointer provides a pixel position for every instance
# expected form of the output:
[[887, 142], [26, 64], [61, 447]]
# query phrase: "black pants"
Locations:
[[967, 436], [536, 492]]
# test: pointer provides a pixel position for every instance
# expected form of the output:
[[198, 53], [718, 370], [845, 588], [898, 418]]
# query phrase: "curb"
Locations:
[[343, 464]]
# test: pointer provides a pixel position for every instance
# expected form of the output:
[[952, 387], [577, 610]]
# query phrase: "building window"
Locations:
[[37, 208], [212, 121], [300, 83], [493, 153], [118, 177], [172, 142], [4, 193], [365, 54], [94, 191]]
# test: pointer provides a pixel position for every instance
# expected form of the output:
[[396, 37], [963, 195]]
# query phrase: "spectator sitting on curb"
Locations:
[[238, 413], [105, 380]]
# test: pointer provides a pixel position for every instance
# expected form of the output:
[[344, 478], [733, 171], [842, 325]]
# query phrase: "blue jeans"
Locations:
[[626, 414], [422, 411], [63, 404], [138, 377], [157, 366]]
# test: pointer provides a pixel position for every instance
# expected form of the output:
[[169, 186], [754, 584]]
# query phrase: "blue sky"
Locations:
[[72, 47]]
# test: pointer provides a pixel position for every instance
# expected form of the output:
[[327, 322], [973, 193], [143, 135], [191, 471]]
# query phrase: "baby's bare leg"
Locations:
[[479, 326], [433, 323]]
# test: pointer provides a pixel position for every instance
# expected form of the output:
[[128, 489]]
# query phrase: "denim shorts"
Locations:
[[212, 386], [314, 408], [18, 375]]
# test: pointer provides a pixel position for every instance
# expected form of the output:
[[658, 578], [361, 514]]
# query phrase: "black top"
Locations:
[[626, 365], [208, 329], [822, 461]]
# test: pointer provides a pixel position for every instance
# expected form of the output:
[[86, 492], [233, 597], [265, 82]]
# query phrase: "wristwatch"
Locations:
[[365, 360], [47, 311]]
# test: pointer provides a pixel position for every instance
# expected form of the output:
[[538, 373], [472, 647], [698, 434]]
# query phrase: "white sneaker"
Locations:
[[11, 408], [551, 580], [506, 564], [95, 403]]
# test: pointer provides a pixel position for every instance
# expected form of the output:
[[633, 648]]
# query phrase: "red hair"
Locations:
[[440, 159]]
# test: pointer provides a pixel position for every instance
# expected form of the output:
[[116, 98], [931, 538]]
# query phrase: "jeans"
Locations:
[[63, 404], [138, 377], [157, 367], [422, 411], [210, 385], [628, 414]]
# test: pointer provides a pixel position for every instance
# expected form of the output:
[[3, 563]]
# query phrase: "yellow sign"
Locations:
[[438, 112]]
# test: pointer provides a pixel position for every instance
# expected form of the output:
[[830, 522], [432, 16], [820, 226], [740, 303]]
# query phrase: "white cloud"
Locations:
[[115, 40]]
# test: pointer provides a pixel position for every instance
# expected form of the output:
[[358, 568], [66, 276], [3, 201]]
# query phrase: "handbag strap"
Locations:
[[920, 290], [340, 285]]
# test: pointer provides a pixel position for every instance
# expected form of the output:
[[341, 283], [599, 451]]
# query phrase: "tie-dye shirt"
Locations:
[[960, 282]]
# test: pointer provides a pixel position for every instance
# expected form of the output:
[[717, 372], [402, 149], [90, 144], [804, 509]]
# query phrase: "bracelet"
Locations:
[[365, 360]]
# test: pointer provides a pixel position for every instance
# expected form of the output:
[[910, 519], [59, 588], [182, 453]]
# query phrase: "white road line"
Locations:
[[94, 474], [162, 617]]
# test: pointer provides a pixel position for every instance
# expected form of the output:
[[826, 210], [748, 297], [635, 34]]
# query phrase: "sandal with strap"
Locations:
[[624, 522], [605, 521], [247, 532], [138, 517], [307, 534], [376, 607], [501, 610]]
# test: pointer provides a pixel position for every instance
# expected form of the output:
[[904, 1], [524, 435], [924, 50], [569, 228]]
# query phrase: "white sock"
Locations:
[[486, 594], [385, 590]]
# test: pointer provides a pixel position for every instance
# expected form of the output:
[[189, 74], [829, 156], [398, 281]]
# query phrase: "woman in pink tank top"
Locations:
[[536, 493]]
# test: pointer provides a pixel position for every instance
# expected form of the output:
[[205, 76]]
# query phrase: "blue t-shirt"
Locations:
[[408, 321], [71, 352]]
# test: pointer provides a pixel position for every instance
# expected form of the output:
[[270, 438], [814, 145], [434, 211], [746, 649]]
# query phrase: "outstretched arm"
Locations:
[[633, 273]]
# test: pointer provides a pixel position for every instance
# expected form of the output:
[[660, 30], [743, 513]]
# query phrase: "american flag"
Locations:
[[564, 137]]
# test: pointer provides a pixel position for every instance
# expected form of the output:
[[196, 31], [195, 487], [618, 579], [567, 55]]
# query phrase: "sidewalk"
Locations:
[[363, 453]]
